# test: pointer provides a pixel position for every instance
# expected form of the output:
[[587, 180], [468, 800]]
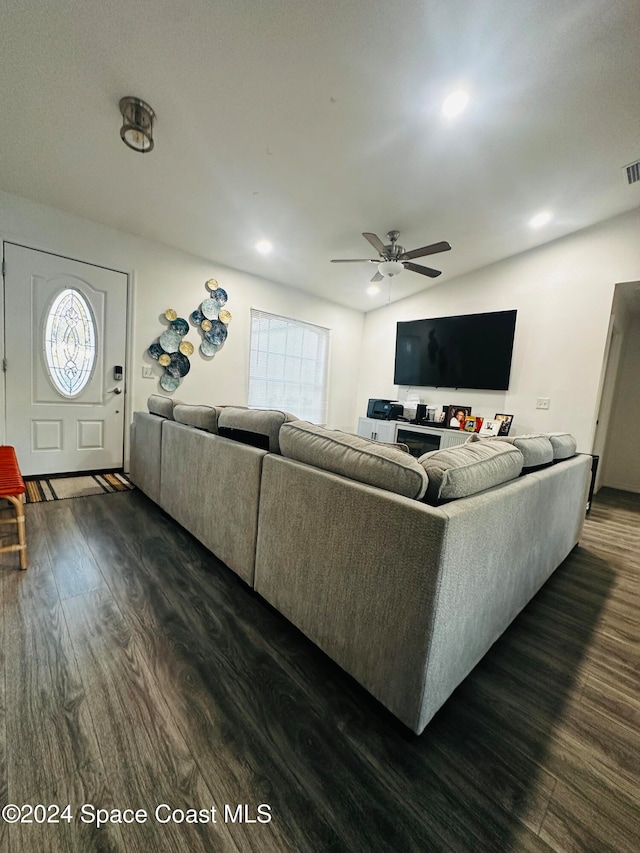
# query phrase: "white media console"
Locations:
[[419, 439]]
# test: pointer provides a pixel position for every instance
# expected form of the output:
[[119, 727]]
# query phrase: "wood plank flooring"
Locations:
[[137, 670]]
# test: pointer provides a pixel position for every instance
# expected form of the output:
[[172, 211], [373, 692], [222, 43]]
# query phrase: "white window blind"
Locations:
[[288, 366]]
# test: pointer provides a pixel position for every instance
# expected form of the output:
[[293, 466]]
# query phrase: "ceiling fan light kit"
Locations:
[[393, 258], [390, 268], [138, 120]]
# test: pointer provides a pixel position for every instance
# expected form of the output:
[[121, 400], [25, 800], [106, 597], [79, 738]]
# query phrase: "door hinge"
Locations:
[[4, 365], [4, 267]]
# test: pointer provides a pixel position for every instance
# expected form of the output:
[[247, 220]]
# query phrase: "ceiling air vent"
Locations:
[[632, 171]]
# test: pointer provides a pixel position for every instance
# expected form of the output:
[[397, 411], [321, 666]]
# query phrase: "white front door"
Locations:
[[65, 338]]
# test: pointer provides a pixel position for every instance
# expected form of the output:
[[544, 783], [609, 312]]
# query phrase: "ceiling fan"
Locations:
[[393, 258]]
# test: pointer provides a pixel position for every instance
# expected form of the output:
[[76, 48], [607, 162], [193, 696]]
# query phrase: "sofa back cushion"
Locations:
[[201, 417], [564, 445], [159, 405], [536, 450], [258, 427], [372, 462], [466, 469]]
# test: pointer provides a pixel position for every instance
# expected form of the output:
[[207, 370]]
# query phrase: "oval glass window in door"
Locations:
[[70, 342]]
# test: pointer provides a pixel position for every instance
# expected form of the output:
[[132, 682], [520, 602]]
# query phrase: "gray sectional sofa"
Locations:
[[403, 571]]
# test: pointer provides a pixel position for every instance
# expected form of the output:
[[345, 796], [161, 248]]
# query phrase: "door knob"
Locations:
[[117, 390]]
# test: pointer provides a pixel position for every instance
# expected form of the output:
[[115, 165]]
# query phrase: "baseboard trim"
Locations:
[[624, 487]]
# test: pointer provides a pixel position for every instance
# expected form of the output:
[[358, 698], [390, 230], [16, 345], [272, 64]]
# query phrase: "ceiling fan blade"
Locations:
[[433, 249], [355, 261], [377, 277], [422, 270], [375, 241]]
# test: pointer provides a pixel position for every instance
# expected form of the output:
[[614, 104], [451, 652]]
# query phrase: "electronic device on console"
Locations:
[[421, 414], [385, 410]]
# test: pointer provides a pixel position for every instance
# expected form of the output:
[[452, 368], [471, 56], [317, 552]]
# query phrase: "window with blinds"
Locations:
[[288, 364]]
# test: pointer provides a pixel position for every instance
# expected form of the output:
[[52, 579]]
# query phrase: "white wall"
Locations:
[[167, 278], [563, 293], [622, 460]]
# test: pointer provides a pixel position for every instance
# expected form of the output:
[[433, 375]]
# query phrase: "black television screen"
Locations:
[[469, 351]]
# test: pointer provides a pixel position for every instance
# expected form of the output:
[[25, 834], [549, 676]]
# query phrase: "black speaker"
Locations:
[[421, 413]]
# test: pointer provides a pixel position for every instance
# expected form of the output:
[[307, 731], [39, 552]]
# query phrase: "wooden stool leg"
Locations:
[[22, 533], [18, 505]]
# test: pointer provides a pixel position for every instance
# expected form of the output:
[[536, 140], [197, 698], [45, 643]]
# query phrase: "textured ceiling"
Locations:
[[310, 122]]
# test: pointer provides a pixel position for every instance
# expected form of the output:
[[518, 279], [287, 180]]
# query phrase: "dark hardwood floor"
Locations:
[[138, 671]]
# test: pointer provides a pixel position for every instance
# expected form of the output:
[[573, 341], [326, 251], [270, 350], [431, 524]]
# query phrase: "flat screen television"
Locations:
[[469, 351]]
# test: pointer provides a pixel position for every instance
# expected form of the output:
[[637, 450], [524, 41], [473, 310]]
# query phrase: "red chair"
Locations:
[[12, 489]]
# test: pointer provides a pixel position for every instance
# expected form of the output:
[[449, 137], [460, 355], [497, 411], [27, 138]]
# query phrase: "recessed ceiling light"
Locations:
[[541, 219], [373, 289], [455, 103], [264, 247]]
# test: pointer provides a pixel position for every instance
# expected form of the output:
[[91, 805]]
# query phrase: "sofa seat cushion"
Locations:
[[564, 445], [372, 462], [466, 469], [159, 405], [258, 427], [201, 417], [536, 449]]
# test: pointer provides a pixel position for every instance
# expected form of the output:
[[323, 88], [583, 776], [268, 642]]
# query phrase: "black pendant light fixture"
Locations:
[[138, 120]]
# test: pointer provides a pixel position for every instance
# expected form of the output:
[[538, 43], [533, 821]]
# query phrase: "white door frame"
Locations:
[[129, 327]]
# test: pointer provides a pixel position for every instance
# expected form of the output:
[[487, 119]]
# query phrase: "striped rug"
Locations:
[[60, 488]]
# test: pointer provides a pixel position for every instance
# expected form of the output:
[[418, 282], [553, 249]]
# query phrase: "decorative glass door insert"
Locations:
[[70, 343]]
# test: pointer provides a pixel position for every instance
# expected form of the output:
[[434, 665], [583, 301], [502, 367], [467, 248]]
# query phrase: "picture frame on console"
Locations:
[[456, 416], [491, 428], [506, 423]]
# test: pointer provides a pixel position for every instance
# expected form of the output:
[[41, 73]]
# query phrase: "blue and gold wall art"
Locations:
[[172, 351], [212, 318]]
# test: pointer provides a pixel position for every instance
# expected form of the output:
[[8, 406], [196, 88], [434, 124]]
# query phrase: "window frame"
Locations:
[[320, 384]]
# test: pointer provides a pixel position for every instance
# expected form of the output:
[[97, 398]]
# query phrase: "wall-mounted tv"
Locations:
[[468, 351]]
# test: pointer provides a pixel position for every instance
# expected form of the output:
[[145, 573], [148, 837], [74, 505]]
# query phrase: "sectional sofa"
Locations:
[[403, 571]]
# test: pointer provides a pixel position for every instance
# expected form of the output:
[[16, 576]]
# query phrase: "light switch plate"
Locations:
[[147, 372], [543, 402]]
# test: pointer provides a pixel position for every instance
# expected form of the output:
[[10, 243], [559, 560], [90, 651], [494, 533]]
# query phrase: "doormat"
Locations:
[[60, 488]]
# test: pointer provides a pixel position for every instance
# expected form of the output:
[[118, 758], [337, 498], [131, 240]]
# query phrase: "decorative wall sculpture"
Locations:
[[172, 351], [212, 318]]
